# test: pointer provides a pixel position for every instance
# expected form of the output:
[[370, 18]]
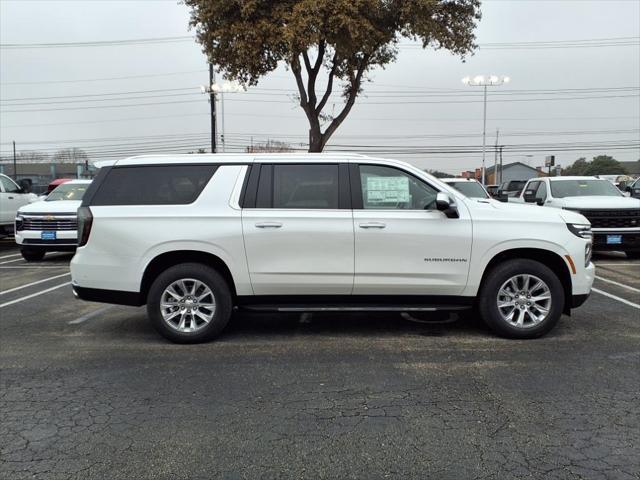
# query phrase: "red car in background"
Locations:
[[57, 182]]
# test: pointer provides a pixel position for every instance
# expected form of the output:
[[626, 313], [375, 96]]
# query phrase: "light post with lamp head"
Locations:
[[213, 89], [485, 81]]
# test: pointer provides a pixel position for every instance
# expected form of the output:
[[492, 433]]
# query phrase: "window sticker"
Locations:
[[388, 189]]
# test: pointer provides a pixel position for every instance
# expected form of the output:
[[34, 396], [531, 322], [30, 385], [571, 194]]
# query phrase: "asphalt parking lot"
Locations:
[[91, 391]]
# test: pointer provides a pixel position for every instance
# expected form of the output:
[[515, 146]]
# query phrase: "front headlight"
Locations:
[[581, 230], [588, 252], [18, 222]]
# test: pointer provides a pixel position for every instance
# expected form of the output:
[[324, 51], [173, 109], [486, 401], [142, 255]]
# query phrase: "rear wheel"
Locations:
[[634, 255], [521, 298], [189, 303], [32, 254]]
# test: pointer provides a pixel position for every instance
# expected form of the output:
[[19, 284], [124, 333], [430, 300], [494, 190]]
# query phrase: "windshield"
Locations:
[[68, 191], [583, 188], [470, 189]]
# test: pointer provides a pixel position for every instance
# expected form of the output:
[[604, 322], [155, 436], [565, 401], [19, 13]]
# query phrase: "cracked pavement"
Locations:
[[334, 396]]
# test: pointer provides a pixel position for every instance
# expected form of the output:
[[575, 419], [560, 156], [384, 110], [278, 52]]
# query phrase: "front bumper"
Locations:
[[630, 240], [65, 240]]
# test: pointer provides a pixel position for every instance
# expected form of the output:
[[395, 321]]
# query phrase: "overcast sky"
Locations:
[[417, 102]]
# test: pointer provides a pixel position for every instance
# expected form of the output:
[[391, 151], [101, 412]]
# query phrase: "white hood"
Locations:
[[56, 206], [596, 202]]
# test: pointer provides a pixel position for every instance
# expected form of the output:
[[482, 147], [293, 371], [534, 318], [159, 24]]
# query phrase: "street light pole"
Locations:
[[485, 81], [212, 101], [221, 88], [484, 135]]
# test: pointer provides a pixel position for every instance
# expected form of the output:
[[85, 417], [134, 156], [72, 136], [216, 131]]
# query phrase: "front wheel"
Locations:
[[32, 254], [189, 303], [521, 298]]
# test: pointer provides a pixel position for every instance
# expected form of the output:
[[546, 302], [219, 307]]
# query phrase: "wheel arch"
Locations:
[[166, 260], [547, 257]]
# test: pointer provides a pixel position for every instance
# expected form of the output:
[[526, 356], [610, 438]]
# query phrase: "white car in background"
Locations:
[[50, 225], [614, 217], [469, 187], [12, 197]]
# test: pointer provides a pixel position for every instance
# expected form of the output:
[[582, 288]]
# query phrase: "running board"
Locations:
[[355, 308]]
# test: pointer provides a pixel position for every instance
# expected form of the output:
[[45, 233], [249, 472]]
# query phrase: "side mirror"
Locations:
[[627, 188], [445, 204], [529, 196], [540, 202], [25, 185]]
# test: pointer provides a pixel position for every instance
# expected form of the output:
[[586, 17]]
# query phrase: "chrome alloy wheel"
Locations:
[[187, 305], [524, 301]]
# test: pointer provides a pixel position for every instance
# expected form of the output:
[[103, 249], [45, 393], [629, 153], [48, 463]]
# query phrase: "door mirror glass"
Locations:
[[529, 195]]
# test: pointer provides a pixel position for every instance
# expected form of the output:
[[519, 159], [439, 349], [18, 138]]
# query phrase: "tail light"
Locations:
[[85, 221]]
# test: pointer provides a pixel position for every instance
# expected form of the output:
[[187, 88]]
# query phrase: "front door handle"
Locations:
[[372, 225], [268, 225]]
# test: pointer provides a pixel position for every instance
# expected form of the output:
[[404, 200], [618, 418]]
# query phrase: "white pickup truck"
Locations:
[[615, 218], [12, 197]]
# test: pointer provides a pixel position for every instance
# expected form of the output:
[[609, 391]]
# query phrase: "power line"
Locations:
[[362, 102], [85, 80], [588, 42]]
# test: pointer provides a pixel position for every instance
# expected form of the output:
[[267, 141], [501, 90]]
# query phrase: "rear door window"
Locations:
[[153, 185], [311, 186]]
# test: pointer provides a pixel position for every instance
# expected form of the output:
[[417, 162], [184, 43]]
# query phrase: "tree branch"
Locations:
[[327, 93], [297, 73], [312, 72], [355, 80]]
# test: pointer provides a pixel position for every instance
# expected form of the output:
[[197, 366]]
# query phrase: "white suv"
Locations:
[[194, 236], [615, 218], [50, 225]]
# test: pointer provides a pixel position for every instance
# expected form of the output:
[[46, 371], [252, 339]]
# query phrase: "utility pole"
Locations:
[[15, 172], [212, 101], [501, 147], [495, 158]]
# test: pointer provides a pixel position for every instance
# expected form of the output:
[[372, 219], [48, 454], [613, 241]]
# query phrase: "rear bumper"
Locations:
[[132, 299]]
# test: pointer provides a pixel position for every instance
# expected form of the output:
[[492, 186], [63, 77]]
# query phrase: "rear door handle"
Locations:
[[372, 225], [268, 225]]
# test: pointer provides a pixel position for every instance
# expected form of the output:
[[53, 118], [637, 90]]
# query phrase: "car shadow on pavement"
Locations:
[[374, 324]]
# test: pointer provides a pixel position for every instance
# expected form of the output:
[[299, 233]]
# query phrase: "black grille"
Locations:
[[49, 224], [628, 218]]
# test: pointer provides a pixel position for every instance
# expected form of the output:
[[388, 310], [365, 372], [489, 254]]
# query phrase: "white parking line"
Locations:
[[90, 315], [606, 294], [633, 289], [9, 256], [35, 266], [34, 283], [11, 261], [41, 292], [617, 264]]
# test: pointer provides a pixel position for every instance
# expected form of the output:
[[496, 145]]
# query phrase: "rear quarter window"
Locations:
[[153, 185]]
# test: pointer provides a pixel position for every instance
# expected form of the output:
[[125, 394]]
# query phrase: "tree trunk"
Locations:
[[315, 140]]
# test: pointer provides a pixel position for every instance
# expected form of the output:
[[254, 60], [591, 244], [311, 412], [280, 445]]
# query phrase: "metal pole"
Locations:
[[495, 159], [484, 135], [501, 147], [222, 120], [15, 171], [212, 101]]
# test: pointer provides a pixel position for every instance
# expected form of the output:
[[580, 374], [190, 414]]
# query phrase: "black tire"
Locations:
[[633, 255], [213, 280], [32, 254], [498, 276]]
